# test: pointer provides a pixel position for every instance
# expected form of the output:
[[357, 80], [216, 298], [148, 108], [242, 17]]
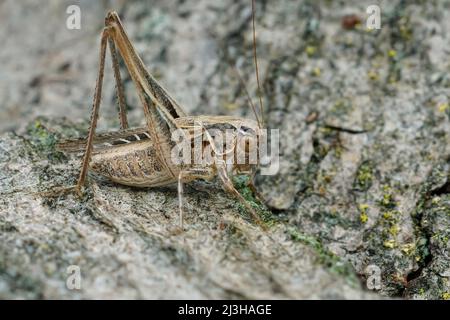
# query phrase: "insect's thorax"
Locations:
[[220, 140]]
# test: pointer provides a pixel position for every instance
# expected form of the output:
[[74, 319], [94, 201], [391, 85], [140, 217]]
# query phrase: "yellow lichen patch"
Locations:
[[446, 296], [338, 151], [388, 215], [388, 197], [310, 50], [405, 28], [363, 207], [442, 107], [392, 53], [363, 217], [390, 244], [408, 248], [436, 200], [364, 176], [373, 75], [316, 72], [394, 230]]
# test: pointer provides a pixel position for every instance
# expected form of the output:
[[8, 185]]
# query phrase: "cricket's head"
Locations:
[[248, 138]]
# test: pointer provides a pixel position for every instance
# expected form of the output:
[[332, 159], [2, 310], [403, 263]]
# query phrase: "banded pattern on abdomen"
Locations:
[[133, 164]]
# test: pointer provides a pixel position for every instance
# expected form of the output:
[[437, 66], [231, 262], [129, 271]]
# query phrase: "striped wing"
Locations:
[[104, 140]]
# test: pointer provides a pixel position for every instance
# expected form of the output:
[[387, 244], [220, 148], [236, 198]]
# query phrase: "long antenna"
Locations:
[[248, 96], [256, 64]]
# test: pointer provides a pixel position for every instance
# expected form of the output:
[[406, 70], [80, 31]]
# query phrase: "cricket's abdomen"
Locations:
[[133, 164]]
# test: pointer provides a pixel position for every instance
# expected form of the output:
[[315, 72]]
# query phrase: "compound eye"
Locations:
[[246, 131]]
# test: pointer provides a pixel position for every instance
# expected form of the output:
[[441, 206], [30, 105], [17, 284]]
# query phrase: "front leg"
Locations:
[[229, 187], [251, 185]]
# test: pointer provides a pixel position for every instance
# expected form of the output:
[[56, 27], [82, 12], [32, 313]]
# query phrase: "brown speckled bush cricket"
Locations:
[[141, 157]]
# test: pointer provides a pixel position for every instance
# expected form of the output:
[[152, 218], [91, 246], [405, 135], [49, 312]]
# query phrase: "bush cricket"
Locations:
[[141, 157]]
